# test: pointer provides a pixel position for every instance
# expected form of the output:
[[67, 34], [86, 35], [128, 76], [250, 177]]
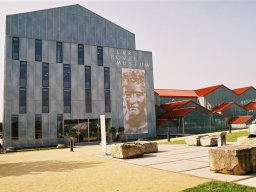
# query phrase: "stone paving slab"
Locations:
[[180, 165], [188, 160], [206, 173]]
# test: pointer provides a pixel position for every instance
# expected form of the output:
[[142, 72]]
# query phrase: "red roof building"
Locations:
[[207, 90], [241, 119], [175, 93], [250, 106]]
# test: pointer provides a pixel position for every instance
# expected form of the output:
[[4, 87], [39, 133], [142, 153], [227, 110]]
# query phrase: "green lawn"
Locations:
[[231, 137], [217, 186]]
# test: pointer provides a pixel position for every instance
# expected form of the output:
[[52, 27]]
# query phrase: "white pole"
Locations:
[[103, 135]]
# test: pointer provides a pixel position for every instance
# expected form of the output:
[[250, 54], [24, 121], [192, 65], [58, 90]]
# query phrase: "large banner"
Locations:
[[134, 101]]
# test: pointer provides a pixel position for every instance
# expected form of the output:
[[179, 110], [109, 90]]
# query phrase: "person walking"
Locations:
[[1, 145]]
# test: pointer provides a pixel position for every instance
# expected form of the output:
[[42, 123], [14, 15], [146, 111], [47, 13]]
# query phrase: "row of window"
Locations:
[[66, 88], [37, 125], [59, 52]]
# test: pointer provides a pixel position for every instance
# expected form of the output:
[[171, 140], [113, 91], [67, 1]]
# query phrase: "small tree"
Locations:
[[120, 129], [72, 134], [112, 131]]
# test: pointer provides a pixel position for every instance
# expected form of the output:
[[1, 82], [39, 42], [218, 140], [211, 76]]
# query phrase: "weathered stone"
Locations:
[[60, 146], [235, 160], [193, 140], [209, 141], [127, 150], [221, 141], [150, 147], [246, 141]]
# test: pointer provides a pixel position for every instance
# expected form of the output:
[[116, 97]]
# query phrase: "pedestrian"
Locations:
[[252, 130], [1, 145]]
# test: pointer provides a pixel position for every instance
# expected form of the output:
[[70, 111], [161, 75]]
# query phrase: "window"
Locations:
[[15, 127], [100, 56], [23, 100], [45, 75], [45, 100], [15, 48], [66, 76], [107, 101], [60, 130], [59, 52], [88, 94], [80, 54], [23, 74], [38, 50], [67, 101], [87, 77], [38, 127], [88, 101], [106, 78]]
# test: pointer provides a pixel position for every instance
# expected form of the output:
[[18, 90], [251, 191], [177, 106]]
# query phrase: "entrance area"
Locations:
[[88, 130]]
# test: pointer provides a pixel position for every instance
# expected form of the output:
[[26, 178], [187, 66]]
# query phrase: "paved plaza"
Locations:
[[189, 160]]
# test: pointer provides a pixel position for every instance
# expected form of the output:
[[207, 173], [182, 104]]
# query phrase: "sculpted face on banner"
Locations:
[[134, 99]]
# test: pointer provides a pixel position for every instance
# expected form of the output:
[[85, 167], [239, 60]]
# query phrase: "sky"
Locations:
[[194, 43]]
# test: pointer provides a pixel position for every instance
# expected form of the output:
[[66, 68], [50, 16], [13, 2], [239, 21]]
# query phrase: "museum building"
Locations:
[[66, 66]]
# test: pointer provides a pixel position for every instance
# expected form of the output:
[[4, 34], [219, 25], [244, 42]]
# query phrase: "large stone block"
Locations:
[[193, 140], [127, 150], [209, 141], [221, 141], [235, 160], [150, 147], [246, 141]]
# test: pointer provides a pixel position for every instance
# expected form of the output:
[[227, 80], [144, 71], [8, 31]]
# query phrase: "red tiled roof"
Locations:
[[250, 106], [241, 90], [177, 113], [207, 90], [174, 105], [162, 121], [175, 93], [240, 119], [222, 107]]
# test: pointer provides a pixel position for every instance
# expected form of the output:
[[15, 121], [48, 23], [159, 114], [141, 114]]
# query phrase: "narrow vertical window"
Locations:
[[15, 127], [88, 101], [23, 74], [87, 77], [59, 52], [107, 101], [67, 101], [38, 50], [45, 100], [66, 76], [15, 48], [80, 54], [22, 100], [100, 55], [60, 130], [45, 75], [38, 127], [106, 78]]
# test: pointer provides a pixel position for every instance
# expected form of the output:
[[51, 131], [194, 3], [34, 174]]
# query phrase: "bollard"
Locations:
[[71, 144], [168, 135]]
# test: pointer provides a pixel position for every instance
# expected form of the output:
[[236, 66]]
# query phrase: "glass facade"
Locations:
[[15, 127], [107, 101], [45, 100], [106, 78], [38, 50], [67, 101], [59, 52], [15, 48], [100, 55], [80, 54], [60, 130], [66, 76], [38, 127], [23, 74], [45, 75]]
